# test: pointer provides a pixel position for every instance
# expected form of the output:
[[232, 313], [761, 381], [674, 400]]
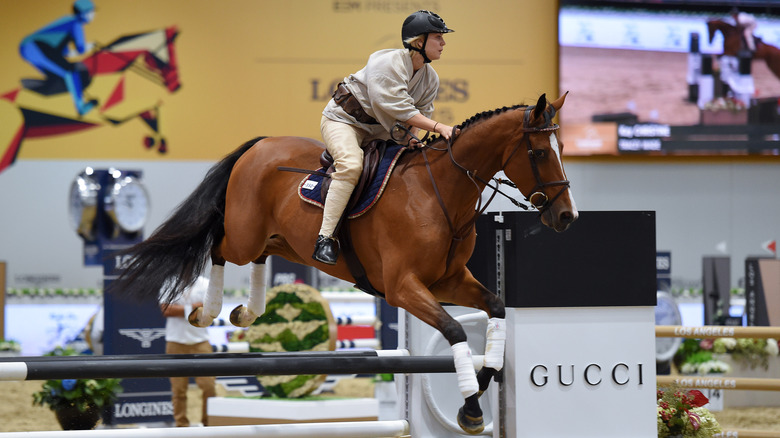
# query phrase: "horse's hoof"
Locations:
[[196, 318], [242, 317], [470, 425]]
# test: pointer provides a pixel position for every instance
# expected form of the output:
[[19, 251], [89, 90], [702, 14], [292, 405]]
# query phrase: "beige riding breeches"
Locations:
[[343, 143]]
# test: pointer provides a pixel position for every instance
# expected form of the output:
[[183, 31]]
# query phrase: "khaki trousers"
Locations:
[[179, 385], [343, 142]]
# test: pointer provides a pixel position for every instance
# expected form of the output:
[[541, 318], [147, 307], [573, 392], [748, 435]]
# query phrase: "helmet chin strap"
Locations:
[[422, 50]]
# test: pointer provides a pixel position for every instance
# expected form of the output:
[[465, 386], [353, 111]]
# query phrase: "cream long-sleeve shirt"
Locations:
[[389, 90]]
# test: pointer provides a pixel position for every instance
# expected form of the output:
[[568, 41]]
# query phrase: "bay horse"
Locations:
[[734, 42], [414, 244], [113, 74]]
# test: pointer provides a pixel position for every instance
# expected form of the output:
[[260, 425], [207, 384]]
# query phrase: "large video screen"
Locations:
[[666, 77]]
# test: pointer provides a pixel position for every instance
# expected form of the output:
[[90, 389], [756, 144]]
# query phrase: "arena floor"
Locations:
[[604, 81]]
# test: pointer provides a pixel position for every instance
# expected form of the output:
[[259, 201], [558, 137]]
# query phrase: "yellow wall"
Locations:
[[258, 67]]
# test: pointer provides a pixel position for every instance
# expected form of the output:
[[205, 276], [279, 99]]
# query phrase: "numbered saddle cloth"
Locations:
[[310, 187]]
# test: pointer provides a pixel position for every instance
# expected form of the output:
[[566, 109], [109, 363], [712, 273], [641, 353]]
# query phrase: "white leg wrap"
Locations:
[[494, 346], [256, 302], [212, 303], [464, 367]]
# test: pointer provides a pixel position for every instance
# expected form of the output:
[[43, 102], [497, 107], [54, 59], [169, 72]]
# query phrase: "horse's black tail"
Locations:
[[171, 259]]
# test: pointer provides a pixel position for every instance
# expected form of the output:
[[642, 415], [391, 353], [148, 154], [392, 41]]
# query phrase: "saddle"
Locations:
[[373, 153], [379, 158]]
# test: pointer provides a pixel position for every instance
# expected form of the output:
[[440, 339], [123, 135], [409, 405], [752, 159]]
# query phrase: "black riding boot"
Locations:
[[326, 250]]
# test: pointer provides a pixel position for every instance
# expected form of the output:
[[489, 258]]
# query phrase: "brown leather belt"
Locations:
[[351, 106]]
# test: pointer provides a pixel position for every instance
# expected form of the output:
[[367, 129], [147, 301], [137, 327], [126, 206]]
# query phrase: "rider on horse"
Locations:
[[46, 48], [747, 22], [396, 85]]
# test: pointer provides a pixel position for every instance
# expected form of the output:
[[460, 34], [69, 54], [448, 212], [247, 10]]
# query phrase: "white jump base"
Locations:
[[230, 411], [359, 429]]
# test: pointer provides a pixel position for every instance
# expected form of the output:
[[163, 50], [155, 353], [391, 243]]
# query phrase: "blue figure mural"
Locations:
[[47, 48]]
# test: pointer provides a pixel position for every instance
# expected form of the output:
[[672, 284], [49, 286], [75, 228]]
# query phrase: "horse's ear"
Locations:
[[541, 105], [559, 102]]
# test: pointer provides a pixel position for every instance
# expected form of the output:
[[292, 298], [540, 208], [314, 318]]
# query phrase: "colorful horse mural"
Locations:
[[114, 75]]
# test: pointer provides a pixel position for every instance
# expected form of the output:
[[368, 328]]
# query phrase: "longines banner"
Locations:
[[192, 79]]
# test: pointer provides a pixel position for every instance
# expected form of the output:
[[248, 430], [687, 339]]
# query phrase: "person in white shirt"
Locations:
[[183, 338], [395, 86]]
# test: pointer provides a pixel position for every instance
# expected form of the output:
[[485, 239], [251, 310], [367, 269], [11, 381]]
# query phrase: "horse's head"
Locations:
[[163, 59], [151, 54], [712, 27], [535, 165], [732, 35]]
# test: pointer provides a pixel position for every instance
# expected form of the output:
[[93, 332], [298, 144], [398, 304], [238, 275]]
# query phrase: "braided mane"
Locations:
[[479, 117]]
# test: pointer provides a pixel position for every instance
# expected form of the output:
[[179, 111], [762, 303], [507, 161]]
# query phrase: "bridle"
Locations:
[[537, 199]]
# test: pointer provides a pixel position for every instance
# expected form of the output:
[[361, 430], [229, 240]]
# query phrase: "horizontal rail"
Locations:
[[199, 356], [744, 383], [715, 331], [342, 429], [745, 433], [188, 365]]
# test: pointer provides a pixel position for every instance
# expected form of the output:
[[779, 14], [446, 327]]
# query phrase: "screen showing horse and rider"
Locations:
[[670, 77]]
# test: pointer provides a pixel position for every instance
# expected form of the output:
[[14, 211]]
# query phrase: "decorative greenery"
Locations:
[[725, 104], [680, 413], [48, 292], [296, 318], [697, 356], [81, 393], [10, 345], [750, 352], [85, 292]]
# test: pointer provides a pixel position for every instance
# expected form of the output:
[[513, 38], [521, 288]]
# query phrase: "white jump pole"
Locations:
[[356, 429]]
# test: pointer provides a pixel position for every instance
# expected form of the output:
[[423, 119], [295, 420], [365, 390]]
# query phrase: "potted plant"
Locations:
[[9, 347], [681, 415], [77, 403]]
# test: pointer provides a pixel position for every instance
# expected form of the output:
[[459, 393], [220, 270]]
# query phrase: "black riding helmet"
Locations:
[[419, 23]]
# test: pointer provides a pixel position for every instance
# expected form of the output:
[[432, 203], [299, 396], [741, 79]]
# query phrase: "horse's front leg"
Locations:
[[414, 297], [244, 316], [464, 290]]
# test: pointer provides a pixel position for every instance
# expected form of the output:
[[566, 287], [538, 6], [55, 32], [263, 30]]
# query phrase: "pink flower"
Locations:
[[706, 344], [694, 419]]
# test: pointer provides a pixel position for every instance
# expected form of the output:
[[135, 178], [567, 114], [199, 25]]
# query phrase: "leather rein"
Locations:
[[537, 199]]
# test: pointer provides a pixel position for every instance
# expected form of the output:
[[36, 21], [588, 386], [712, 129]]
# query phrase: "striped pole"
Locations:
[[355, 429], [744, 383], [744, 433], [716, 331], [185, 365]]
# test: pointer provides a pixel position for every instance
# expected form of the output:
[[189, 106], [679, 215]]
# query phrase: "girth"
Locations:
[[373, 153]]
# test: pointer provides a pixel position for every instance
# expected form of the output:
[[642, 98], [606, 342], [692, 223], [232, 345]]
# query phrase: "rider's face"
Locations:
[[434, 46]]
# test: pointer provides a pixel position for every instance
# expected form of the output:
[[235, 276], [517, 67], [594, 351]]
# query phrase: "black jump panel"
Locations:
[[605, 258]]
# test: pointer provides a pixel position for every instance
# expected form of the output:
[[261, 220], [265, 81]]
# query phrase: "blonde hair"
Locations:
[[411, 41]]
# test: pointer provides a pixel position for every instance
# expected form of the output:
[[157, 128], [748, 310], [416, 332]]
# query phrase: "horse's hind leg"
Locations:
[[244, 316], [212, 302], [418, 300]]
